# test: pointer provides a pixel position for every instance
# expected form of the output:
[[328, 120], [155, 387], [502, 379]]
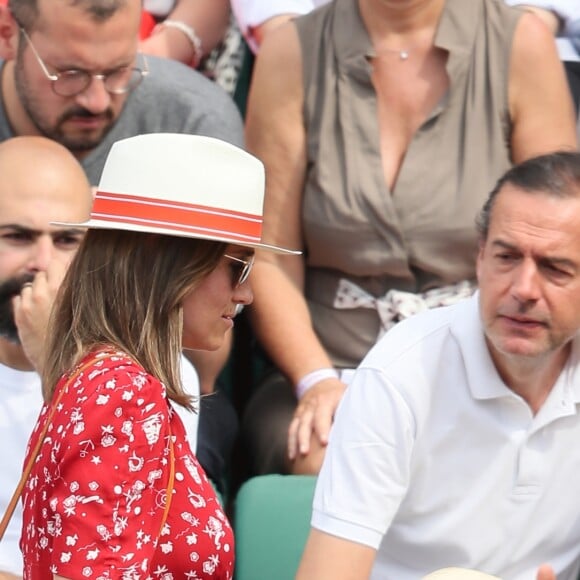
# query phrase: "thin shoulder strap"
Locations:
[[28, 467], [171, 481]]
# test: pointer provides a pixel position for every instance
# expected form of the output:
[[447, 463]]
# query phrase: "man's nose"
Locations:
[[526, 282], [95, 98], [41, 254]]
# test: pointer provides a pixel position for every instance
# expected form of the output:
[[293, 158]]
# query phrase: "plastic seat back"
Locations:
[[271, 523]]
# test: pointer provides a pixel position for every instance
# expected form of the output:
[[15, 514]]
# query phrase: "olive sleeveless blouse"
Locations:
[[422, 234]]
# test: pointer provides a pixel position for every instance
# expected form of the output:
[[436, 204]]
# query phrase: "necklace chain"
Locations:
[[402, 52]]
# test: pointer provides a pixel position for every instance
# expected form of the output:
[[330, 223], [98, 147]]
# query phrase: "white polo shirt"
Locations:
[[436, 463]]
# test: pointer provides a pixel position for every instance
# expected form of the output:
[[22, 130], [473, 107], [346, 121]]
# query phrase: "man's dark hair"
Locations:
[[555, 174], [26, 13]]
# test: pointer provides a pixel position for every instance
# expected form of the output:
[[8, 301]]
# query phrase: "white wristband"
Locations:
[[309, 380], [191, 35]]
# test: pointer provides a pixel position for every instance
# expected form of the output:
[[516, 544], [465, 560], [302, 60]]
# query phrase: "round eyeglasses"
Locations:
[[240, 269], [70, 83]]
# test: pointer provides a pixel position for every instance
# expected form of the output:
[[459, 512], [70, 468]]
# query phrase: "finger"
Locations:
[[323, 422], [546, 572], [55, 273], [17, 308], [44, 290], [19, 301], [16, 302], [293, 438], [305, 429], [325, 410]]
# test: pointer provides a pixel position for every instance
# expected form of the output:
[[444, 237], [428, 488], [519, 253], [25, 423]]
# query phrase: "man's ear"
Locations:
[[9, 34]]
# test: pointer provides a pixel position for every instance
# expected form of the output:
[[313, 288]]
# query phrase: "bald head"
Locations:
[[39, 166], [41, 183]]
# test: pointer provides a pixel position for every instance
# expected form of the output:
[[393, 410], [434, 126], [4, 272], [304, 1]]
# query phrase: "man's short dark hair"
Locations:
[[555, 174], [26, 12]]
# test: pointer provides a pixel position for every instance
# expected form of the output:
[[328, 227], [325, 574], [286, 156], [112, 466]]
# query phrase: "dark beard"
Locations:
[[80, 144], [8, 289]]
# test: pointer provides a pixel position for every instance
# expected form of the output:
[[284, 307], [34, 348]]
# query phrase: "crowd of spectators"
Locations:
[[382, 128]]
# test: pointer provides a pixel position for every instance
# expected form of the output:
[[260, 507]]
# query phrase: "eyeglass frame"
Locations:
[[54, 77], [245, 270]]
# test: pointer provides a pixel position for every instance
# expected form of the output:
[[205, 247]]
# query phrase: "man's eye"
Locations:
[[17, 237], [557, 272], [505, 257]]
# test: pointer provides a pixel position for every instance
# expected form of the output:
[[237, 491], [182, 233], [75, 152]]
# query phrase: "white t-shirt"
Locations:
[[568, 11], [190, 382], [159, 8], [251, 13], [433, 461], [20, 403], [565, 9]]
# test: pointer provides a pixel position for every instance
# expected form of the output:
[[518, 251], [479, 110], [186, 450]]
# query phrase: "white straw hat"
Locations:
[[182, 185]]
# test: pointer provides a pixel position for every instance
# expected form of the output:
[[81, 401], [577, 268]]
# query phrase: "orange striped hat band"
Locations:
[[177, 216]]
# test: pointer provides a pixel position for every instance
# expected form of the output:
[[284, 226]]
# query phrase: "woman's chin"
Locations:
[[209, 344]]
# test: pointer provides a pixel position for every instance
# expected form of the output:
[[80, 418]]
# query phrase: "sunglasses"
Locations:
[[240, 269]]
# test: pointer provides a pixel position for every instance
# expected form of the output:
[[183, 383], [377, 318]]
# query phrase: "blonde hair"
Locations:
[[125, 290]]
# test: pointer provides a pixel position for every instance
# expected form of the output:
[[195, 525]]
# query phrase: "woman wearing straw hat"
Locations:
[[114, 490]]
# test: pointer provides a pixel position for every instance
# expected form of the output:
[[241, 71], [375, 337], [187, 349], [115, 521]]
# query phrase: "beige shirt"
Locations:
[[422, 234]]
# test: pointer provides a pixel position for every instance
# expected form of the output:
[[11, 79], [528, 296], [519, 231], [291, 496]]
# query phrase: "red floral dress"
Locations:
[[94, 503]]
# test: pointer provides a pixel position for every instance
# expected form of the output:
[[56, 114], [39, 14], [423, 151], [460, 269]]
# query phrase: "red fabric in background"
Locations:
[[147, 24]]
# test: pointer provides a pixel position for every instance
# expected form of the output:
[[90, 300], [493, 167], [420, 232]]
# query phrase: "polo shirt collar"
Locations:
[[484, 381]]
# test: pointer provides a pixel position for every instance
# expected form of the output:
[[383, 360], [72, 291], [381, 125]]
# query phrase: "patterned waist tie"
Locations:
[[397, 305]]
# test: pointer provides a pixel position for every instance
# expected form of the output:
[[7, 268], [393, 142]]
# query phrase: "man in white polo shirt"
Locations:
[[457, 443]]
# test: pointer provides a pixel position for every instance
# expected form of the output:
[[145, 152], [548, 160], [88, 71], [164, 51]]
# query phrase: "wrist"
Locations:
[[189, 33], [312, 378]]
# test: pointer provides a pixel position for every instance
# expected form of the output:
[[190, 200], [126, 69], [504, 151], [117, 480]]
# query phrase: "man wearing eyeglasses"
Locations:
[[71, 72]]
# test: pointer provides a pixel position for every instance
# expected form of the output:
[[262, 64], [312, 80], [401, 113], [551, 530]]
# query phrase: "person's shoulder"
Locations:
[[176, 98], [315, 21], [112, 375], [98, 365], [178, 82], [282, 45], [498, 14], [532, 36], [534, 48], [173, 90]]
